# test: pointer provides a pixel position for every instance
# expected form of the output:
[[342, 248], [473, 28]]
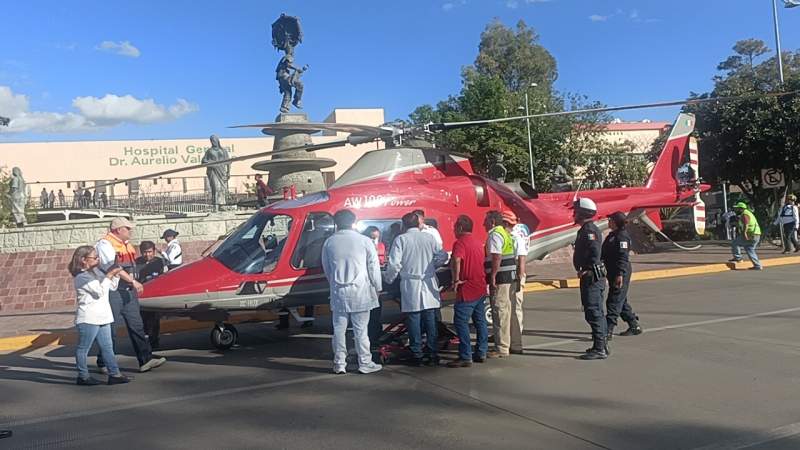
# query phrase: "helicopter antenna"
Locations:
[[443, 126], [575, 197]]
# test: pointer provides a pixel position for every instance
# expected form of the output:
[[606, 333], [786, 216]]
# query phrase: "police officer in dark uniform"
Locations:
[[591, 273], [618, 265]]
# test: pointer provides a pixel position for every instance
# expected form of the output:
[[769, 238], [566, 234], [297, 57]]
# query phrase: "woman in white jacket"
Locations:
[[94, 317]]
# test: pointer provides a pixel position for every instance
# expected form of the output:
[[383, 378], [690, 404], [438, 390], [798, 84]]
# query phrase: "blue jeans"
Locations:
[[749, 247], [463, 311], [86, 336], [415, 322]]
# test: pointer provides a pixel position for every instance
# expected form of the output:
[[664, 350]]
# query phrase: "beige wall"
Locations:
[[53, 164]]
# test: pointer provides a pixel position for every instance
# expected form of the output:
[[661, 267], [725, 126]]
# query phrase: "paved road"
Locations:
[[717, 368]]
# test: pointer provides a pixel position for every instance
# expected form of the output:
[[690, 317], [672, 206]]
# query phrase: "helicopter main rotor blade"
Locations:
[[443, 126], [309, 148]]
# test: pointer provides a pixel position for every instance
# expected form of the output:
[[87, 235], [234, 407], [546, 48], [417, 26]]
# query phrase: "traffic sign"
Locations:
[[772, 179]]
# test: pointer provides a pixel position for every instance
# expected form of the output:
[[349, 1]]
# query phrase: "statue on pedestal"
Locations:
[[498, 171], [18, 194], [286, 35], [218, 174], [562, 182]]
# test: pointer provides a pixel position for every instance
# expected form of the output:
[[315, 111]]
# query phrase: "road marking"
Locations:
[[772, 435], [674, 327], [178, 398]]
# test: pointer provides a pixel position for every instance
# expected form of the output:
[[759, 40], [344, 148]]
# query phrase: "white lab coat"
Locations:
[[435, 233], [350, 262], [415, 256]]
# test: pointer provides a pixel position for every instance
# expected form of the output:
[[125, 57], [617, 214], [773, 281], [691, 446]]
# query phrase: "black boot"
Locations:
[[598, 350], [609, 335], [633, 329]]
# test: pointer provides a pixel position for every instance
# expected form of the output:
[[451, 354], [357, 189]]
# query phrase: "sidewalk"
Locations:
[[668, 262]]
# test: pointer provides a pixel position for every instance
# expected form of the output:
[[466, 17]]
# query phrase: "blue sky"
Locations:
[[153, 70]]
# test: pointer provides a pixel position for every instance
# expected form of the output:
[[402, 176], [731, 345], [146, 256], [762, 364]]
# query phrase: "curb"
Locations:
[[65, 337], [569, 283]]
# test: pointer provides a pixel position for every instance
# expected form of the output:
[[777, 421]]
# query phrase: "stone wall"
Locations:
[[33, 260]]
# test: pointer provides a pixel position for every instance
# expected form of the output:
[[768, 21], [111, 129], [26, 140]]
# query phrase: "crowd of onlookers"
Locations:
[[81, 198]]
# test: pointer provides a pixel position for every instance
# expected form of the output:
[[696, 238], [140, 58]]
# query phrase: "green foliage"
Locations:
[[615, 165], [509, 61], [739, 138]]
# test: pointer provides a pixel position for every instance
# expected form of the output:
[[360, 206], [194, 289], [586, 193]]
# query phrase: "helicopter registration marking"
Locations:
[[376, 201]]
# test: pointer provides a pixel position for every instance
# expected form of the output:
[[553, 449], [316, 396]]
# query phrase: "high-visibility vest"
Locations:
[[126, 253], [507, 272], [752, 226]]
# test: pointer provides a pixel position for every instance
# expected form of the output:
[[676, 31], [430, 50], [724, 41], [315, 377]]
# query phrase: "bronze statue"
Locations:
[[498, 171], [18, 194], [218, 174], [286, 35], [562, 182]]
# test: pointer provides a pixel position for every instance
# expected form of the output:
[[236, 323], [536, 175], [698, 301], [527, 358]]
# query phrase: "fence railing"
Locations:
[[141, 203]]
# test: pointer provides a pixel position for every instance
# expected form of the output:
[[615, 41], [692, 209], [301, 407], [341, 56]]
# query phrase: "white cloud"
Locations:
[[634, 15], [598, 18], [451, 5], [91, 113], [113, 109], [513, 4], [123, 48]]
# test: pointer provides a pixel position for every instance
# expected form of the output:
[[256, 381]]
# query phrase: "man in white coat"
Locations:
[[350, 262], [414, 257]]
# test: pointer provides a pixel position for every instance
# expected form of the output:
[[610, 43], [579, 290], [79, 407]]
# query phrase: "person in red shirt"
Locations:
[[469, 283], [262, 190], [374, 233]]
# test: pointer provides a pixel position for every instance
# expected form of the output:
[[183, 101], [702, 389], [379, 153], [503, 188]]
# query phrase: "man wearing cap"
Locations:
[[592, 276], [501, 270], [173, 252], [749, 233], [788, 220], [115, 250]]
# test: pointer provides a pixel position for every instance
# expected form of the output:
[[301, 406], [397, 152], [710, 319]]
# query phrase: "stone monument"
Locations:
[[219, 174], [286, 35], [298, 169], [18, 195], [562, 182]]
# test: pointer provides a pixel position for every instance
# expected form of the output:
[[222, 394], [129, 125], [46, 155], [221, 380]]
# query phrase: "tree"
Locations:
[[508, 62], [740, 138], [615, 165]]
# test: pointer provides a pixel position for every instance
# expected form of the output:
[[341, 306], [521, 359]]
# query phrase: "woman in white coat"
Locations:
[[350, 262], [414, 257], [94, 317]]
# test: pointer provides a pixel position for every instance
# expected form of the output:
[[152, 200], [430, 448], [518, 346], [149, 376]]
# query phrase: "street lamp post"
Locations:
[[530, 145], [777, 38]]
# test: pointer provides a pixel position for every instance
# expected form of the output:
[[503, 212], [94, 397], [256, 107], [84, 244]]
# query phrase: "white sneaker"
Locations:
[[372, 367], [152, 364], [339, 370]]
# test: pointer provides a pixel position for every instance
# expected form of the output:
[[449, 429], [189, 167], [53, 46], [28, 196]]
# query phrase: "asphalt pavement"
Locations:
[[717, 368]]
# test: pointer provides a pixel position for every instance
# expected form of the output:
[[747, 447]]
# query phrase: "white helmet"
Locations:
[[586, 204]]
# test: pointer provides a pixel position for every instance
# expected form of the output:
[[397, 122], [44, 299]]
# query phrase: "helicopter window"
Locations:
[[308, 252], [256, 246], [389, 229], [382, 162]]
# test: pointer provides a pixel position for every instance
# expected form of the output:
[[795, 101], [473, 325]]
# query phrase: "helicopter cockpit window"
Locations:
[[256, 246], [382, 162], [308, 252]]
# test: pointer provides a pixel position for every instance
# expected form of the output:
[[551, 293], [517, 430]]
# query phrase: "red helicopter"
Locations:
[[272, 261]]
